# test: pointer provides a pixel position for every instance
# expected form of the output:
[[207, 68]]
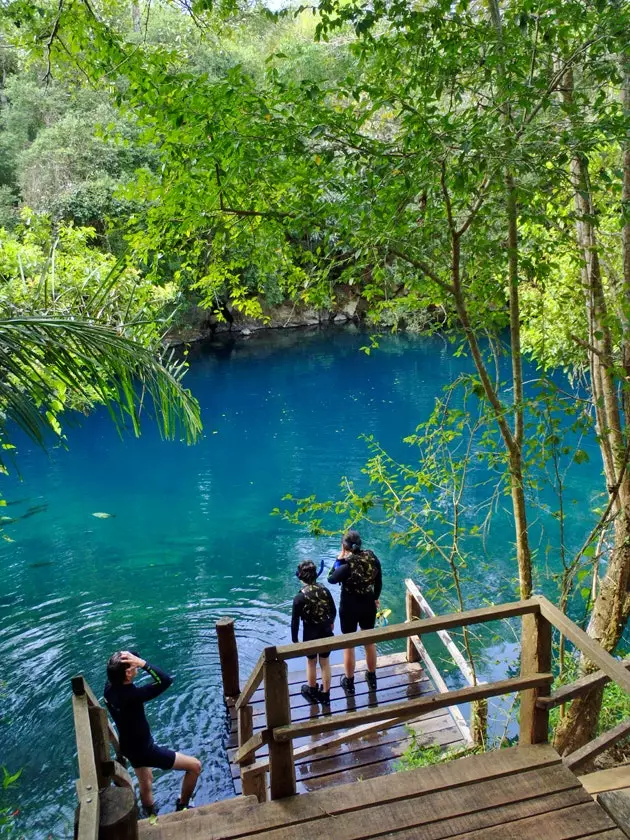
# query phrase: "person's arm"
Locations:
[[296, 614], [378, 580], [333, 609], [339, 572], [161, 680]]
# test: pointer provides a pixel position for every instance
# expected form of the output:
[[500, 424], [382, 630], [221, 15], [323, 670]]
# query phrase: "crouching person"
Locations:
[[314, 605], [125, 702]]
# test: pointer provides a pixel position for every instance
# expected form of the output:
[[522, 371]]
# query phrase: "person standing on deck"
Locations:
[[359, 573], [125, 702], [314, 605]]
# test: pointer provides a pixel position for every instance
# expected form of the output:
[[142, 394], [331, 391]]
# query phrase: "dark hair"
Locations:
[[306, 571], [352, 542], [116, 669]]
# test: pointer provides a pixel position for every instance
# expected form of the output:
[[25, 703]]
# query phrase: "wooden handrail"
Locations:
[[250, 747], [255, 679], [79, 687], [407, 709], [449, 644], [613, 668], [87, 785], [597, 746], [403, 631], [577, 688]]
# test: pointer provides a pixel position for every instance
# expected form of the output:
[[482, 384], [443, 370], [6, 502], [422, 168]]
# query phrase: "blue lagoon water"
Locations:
[[191, 540]]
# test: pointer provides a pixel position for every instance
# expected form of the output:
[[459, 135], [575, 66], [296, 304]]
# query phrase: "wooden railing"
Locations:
[[538, 617], [104, 788]]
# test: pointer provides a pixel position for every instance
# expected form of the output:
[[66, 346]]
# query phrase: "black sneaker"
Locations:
[[370, 678], [347, 683], [148, 811], [323, 696], [310, 693], [179, 806]]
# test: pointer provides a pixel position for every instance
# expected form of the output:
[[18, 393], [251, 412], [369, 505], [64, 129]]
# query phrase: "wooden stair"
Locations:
[[521, 792]]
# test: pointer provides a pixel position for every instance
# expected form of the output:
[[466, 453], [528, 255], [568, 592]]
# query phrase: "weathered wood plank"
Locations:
[[402, 631], [615, 669], [254, 680], [249, 748], [441, 686], [278, 710], [597, 746], [535, 657], [228, 657], [408, 709], [448, 642], [576, 689], [393, 789], [87, 785], [412, 612], [616, 803], [614, 778]]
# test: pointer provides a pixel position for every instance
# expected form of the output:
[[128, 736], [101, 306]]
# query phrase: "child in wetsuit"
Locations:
[[314, 605]]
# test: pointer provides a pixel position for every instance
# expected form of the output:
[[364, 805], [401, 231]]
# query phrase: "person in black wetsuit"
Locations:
[[125, 702], [359, 573], [314, 605]]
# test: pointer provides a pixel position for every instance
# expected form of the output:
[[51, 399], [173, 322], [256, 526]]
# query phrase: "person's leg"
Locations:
[[144, 775], [370, 657], [324, 665], [192, 766], [311, 672], [349, 662]]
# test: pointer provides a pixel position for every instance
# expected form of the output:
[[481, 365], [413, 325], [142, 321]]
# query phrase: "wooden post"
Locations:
[[413, 612], [245, 727], [119, 815], [278, 712], [228, 656], [100, 742], [254, 782], [535, 658]]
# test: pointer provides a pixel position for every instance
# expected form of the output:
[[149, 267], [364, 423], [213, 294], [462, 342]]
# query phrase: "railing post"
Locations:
[[228, 657], [253, 782], [413, 612], [535, 658], [278, 712]]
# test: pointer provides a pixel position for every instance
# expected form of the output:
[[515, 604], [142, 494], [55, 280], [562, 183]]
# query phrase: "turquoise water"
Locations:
[[191, 540]]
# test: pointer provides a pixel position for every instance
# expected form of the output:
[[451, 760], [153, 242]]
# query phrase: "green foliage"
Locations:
[[7, 812], [418, 754]]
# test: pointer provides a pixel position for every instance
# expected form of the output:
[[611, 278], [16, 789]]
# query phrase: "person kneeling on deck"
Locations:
[[315, 606], [359, 573], [125, 702]]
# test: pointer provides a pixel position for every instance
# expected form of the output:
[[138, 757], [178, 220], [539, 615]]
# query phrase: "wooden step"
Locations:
[[473, 795], [615, 778], [222, 810]]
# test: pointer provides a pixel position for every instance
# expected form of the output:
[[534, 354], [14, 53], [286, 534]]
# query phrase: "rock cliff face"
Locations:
[[197, 324]]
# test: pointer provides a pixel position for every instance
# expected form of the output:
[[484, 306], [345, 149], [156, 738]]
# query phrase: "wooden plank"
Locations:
[[412, 612], [254, 782], [402, 631], [535, 658], [407, 709], [614, 778], [388, 664], [87, 785], [441, 686], [390, 789], [446, 639], [593, 651], [81, 686], [450, 812], [120, 776], [616, 803], [278, 709], [100, 744], [578, 688], [249, 748], [245, 730], [228, 657], [597, 745], [255, 678]]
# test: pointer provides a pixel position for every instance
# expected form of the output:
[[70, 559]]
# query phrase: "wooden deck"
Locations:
[[361, 758], [522, 793]]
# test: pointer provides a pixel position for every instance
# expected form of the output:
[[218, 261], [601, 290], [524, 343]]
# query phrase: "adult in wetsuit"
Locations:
[[359, 573], [314, 606], [125, 702]]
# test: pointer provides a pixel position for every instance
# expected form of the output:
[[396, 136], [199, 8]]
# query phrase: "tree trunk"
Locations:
[[611, 606]]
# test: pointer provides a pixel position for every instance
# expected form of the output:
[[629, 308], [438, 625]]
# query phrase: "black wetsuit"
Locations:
[[314, 605], [361, 583], [126, 706]]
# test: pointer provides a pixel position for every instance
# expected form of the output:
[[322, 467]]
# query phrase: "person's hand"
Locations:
[[131, 660], [378, 605]]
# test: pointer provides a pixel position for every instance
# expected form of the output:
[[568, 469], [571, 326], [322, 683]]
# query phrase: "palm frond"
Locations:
[[92, 363]]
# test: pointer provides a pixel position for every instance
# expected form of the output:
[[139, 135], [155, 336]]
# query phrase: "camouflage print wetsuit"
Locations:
[[314, 605]]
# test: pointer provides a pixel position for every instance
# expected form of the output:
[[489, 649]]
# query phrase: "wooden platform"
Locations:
[[368, 756], [522, 793]]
